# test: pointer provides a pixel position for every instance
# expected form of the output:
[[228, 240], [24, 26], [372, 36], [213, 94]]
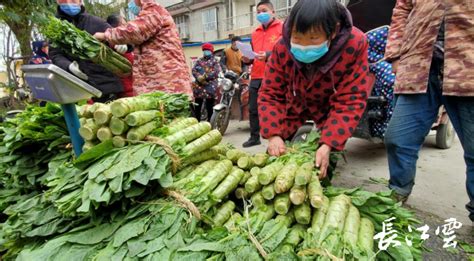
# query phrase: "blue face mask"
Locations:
[[207, 53], [70, 9], [310, 53], [134, 8], [264, 18]]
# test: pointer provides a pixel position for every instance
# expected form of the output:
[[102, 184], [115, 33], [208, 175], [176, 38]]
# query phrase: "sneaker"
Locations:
[[251, 142]]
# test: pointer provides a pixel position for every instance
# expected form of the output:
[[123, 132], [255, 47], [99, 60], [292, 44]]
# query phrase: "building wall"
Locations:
[[197, 24], [167, 3], [193, 12], [242, 21]]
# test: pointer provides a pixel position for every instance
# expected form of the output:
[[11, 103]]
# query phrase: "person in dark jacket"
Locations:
[[318, 71], [74, 12]]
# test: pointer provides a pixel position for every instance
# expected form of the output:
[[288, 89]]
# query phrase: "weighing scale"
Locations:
[[50, 83]]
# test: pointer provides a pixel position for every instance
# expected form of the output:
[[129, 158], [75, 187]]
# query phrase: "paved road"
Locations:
[[439, 192]]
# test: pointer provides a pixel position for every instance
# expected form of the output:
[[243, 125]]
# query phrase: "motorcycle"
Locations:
[[231, 86]]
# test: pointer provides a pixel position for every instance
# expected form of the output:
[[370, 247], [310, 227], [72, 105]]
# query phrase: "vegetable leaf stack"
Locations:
[[28, 143], [170, 196]]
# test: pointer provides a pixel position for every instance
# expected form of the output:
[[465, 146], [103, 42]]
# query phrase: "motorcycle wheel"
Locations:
[[220, 121], [445, 135], [204, 116]]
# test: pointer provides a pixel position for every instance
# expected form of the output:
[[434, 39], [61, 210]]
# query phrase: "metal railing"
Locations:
[[282, 13], [183, 30], [238, 22], [248, 20]]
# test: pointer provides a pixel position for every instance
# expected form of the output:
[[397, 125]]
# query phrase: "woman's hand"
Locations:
[[276, 146], [99, 36], [322, 160]]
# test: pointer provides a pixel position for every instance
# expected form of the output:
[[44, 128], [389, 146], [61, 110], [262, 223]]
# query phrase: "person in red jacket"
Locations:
[[263, 40], [116, 20], [318, 71]]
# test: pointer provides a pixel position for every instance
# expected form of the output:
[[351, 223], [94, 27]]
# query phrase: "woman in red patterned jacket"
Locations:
[[318, 71], [159, 64]]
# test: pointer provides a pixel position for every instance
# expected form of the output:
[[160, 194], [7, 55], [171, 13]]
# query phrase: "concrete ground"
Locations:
[[439, 192]]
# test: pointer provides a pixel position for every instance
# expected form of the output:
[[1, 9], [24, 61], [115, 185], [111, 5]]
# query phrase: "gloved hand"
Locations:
[[74, 69], [121, 48]]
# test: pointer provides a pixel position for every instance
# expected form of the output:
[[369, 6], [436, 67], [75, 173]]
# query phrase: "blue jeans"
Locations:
[[412, 119]]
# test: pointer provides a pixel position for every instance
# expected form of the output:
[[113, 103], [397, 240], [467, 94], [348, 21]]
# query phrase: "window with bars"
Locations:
[[209, 20], [283, 7], [182, 25]]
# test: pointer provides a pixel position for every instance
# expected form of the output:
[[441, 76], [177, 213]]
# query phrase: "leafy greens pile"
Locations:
[[181, 195], [28, 143]]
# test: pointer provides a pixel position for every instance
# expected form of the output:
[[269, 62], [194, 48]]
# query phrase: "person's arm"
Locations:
[[247, 61], [195, 70], [214, 73], [348, 103], [137, 31], [59, 59], [100, 24], [396, 34], [272, 97]]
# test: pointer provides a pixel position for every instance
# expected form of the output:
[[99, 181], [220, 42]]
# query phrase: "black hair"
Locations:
[[309, 14], [114, 20], [236, 39], [267, 3]]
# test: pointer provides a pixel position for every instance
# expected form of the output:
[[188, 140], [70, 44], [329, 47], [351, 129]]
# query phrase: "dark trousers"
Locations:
[[209, 103], [412, 119], [253, 108]]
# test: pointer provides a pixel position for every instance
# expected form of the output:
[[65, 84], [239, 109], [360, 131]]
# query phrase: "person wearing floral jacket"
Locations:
[[206, 72], [160, 64], [318, 71]]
